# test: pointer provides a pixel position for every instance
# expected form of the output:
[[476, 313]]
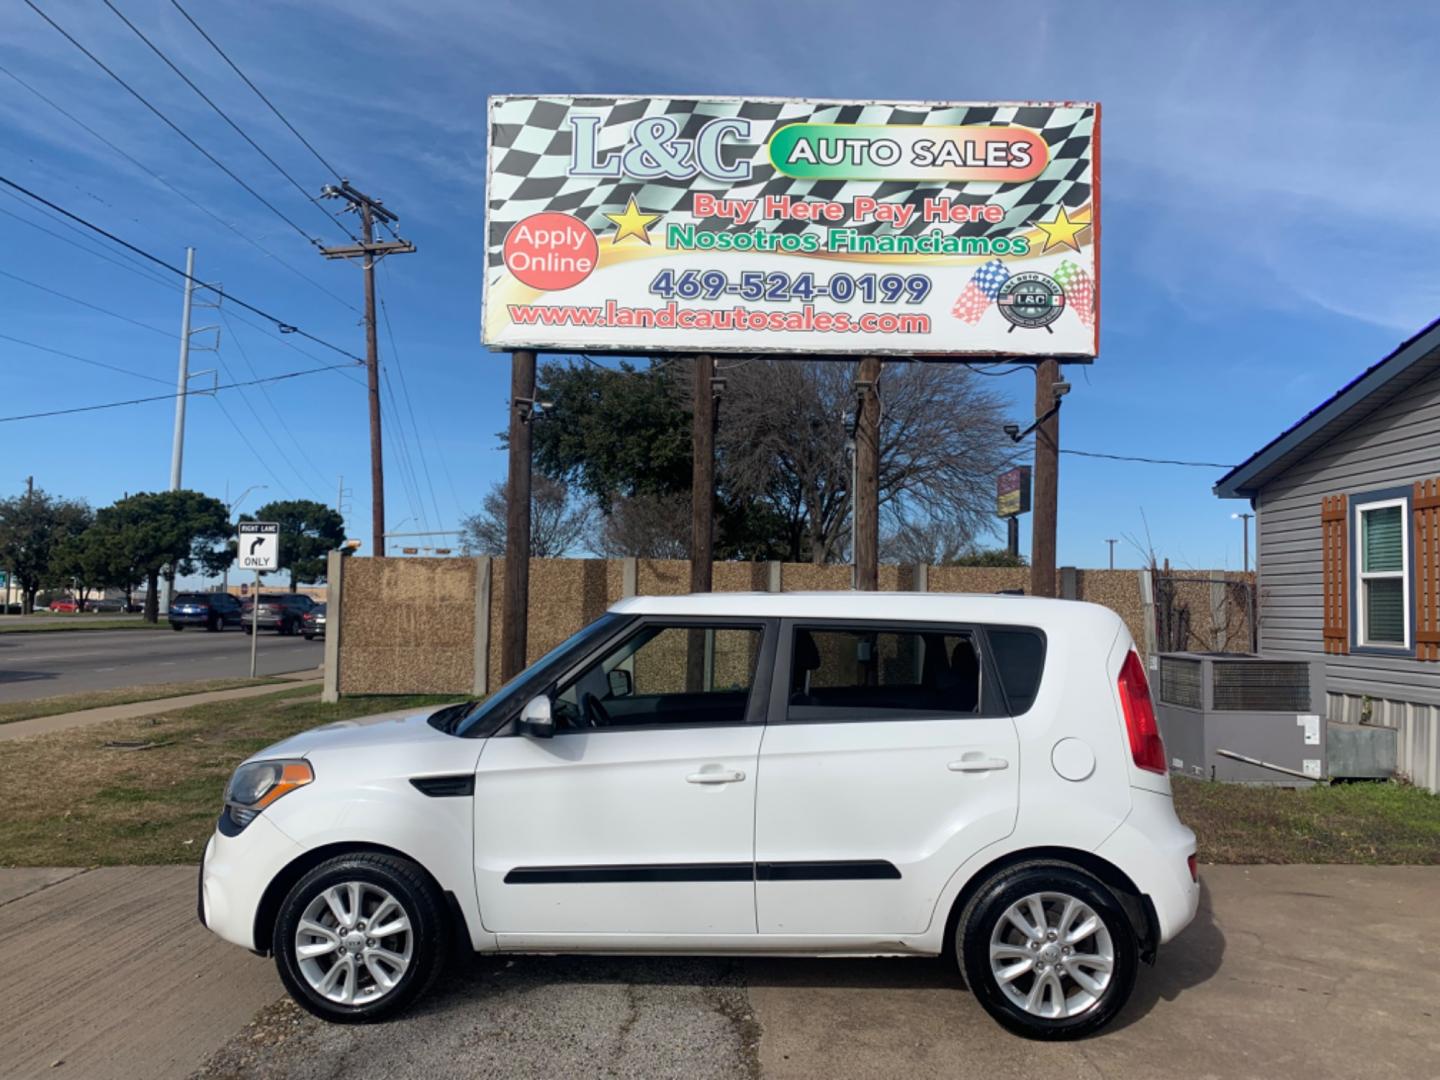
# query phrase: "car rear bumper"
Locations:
[[1153, 848], [192, 618]]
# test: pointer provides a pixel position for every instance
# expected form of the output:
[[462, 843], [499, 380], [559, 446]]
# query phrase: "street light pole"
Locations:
[[229, 515]]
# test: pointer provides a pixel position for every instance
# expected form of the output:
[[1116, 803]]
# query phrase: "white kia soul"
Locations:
[[856, 774]]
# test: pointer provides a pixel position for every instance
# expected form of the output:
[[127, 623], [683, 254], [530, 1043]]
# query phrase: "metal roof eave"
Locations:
[[1240, 482]]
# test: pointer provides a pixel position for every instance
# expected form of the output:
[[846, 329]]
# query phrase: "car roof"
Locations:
[[898, 606]]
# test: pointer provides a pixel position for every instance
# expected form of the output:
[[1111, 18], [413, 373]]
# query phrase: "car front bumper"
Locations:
[[235, 871]]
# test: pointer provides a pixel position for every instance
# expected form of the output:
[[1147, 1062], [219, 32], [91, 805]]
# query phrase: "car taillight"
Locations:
[[1194, 869], [1145, 745]]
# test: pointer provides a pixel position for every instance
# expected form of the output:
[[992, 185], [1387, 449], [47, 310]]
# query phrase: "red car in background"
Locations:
[[65, 603]]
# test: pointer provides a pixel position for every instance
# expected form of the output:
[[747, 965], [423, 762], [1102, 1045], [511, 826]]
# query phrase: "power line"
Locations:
[[280, 324], [87, 304], [172, 125], [148, 275], [226, 117], [167, 397], [265, 393], [1147, 460], [235, 68], [183, 194], [85, 360], [410, 408]]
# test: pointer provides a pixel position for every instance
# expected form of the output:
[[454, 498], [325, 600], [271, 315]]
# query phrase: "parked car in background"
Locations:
[[65, 604], [213, 611], [976, 777], [282, 612], [313, 624], [105, 604]]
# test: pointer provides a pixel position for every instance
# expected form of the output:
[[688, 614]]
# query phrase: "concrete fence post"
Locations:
[[1147, 608], [481, 682], [334, 620], [922, 577], [1069, 583], [629, 576], [773, 568]]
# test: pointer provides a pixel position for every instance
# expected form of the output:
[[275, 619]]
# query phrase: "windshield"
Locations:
[[535, 677]]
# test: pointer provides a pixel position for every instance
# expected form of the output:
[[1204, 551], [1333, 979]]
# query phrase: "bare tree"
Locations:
[[645, 526], [932, 542], [557, 526], [782, 441]]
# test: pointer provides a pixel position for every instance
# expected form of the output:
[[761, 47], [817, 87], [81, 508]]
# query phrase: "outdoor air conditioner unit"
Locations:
[[1262, 709]]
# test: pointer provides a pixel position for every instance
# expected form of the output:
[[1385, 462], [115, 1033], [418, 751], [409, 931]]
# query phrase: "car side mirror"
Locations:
[[621, 684], [535, 718]]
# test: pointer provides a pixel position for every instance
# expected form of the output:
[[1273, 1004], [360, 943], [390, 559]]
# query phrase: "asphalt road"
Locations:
[[43, 665]]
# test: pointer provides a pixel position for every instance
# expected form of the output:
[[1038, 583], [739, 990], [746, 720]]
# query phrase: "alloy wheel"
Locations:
[[354, 943], [1052, 955]]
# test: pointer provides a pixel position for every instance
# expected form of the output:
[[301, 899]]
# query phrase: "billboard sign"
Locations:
[[1012, 492], [765, 225]]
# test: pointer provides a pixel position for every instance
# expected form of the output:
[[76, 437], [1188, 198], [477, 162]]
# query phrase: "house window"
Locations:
[[1383, 599]]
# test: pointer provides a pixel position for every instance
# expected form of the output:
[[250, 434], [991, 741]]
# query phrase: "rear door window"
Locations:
[[874, 673], [1019, 655]]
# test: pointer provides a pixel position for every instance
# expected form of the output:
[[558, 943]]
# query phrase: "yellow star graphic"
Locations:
[[632, 223], [1061, 231]]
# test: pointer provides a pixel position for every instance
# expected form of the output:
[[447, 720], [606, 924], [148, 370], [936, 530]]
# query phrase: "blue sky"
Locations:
[[1266, 176]]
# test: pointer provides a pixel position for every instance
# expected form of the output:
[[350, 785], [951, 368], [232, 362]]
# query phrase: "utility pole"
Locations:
[[370, 252], [867, 475], [517, 516], [702, 483], [182, 388], [1047, 476], [1112, 544], [1244, 520], [702, 510]]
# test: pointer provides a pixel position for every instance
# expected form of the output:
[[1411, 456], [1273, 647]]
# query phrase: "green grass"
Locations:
[[120, 695], [71, 801], [1387, 823], [41, 623]]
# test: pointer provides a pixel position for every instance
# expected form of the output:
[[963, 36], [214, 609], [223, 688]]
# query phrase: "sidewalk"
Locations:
[[44, 725], [112, 976]]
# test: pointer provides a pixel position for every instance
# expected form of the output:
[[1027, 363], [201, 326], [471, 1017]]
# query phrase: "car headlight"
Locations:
[[258, 784]]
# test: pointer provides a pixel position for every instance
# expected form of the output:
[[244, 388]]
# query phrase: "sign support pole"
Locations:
[[867, 475], [702, 484], [1047, 479], [1012, 531], [254, 623], [517, 516]]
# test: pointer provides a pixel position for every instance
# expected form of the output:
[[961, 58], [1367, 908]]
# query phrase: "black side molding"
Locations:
[[853, 870], [857, 870], [445, 787]]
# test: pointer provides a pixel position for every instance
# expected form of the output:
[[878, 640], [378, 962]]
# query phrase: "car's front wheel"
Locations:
[[360, 937], [1047, 951]]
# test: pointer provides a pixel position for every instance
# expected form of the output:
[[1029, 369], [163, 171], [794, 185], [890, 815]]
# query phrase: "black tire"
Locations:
[[212, 625], [309, 636], [247, 628], [424, 908], [177, 627], [988, 907]]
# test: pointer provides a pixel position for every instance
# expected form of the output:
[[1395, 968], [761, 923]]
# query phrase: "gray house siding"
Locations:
[[1394, 446]]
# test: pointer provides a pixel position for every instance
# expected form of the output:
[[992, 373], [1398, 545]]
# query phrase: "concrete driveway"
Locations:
[[1289, 972]]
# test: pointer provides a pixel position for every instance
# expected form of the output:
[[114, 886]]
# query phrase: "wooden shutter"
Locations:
[[1335, 565], [1425, 508]]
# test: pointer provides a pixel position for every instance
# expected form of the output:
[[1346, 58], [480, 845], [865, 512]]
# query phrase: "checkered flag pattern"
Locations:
[[980, 293], [1079, 290], [531, 144]]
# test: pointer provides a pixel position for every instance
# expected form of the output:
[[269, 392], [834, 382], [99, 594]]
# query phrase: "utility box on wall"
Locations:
[[1267, 709]]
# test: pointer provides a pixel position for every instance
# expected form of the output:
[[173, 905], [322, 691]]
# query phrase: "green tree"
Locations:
[[157, 532], [309, 531], [33, 528]]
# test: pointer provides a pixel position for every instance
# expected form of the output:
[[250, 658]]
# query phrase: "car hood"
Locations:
[[381, 731]]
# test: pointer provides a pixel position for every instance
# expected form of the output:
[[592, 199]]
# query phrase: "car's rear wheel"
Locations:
[[360, 937], [177, 627], [1047, 951]]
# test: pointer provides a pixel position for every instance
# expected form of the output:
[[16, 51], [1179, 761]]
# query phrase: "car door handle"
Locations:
[[978, 763], [716, 777]]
